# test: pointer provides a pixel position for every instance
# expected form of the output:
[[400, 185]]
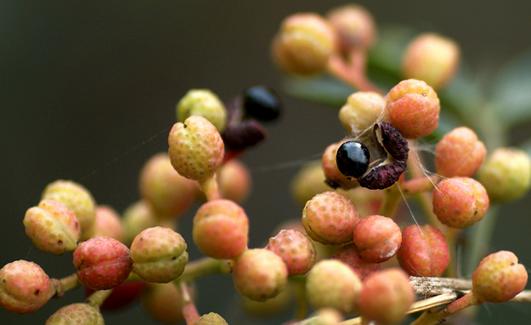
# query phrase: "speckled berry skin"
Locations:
[[234, 181], [329, 218], [304, 44], [159, 254], [195, 148], [459, 202], [334, 178], [108, 223], [76, 198], [205, 103], [361, 111], [76, 314], [413, 108], [259, 274], [432, 58], [377, 238], [137, 217], [498, 277], [354, 26], [221, 229], [349, 255], [169, 194], [331, 283], [164, 302], [52, 227], [211, 319], [506, 174], [386, 296], [24, 287], [459, 153], [102, 263], [424, 251], [295, 249]]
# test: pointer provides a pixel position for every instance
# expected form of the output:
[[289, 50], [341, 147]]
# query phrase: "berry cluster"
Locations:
[[351, 253]]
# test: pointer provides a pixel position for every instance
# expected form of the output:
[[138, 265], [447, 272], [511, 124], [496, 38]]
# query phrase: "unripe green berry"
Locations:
[[361, 111], [108, 223], [164, 302], [459, 153], [506, 174], [295, 249], [52, 227], [386, 297], [349, 255], [211, 319], [332, 174], [424, 251], [102, 263], [329, 218], [432, 58], [304, 44], [413, 108], [459, 202], [76, 198], [498, 277], [221, 229], [169, 194], [354, 26], [202, 102], [259, 274], [271, 306], [195, 148], [137, 217], [159, 255], [309, 181], [234, 181], [76, 314], [377, 238], [24, 287], [331, 283]]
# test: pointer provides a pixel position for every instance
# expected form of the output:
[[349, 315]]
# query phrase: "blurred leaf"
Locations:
[[324, 89], [388, 51], [512, 90]]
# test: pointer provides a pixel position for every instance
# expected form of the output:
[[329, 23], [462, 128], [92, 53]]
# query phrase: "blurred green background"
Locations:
[[88, 88]]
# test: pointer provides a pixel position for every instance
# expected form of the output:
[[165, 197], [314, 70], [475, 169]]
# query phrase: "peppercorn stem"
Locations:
[[210, 188], [97, 298], [189, 311], [65, 284], [357, 67], [203, 267], [391, 201]]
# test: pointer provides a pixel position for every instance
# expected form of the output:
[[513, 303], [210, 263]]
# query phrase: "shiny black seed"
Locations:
[[261, 103], [352, 158]]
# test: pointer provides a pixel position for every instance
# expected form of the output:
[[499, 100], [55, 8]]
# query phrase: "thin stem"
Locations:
[[65, 284], [97, 298], [391, 201], [451, 239], [358, 64], [210, 188], [203, 267], [189, 311]]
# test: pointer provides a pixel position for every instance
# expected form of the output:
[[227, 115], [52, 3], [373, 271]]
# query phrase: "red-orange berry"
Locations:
[[329, 218], [459, 202], [295, 249], [350, 256], [459, 153], [377, 238], [107, 223], [424, 251]]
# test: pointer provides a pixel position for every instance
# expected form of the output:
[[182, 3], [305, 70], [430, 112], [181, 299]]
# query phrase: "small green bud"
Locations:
[[204, 103], [211, 319], [79, 314]]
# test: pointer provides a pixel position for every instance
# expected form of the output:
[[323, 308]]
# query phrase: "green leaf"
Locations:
[[323, 89], [511, 94]]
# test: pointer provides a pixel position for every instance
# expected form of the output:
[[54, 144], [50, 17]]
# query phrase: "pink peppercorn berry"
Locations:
[[295, 249], [377, 238]]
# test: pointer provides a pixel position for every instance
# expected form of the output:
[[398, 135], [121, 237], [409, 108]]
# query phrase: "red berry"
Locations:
[[424, 251], [350, 256], [108, 223], [295, 249], [102, 263], [377, 238]]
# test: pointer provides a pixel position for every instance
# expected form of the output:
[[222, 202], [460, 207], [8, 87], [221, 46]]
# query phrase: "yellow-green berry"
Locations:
[[308, 182], [354, 26], [361, 111], [76, 314], [137, 217], [331, 283], [108, 223], [195, 148], [205, 103], [211, 319], [506, 174], [159, 254], [459, 153], [52, 227], [76, 198]]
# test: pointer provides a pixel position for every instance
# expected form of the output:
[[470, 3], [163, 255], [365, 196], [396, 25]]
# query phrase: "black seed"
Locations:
[[262, 103], [247, 133], [352, 158]]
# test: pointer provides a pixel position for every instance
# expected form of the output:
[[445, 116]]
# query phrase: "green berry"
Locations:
[[331, 283], [259, 274], [195, 148], [329, 218], [459, 153], [211, 319], [108, 223], [76, 198], [76, 314], [506, 174], [202, 102], [137, 217], [24, 287], [361, 111], [52, 227], [159, 254], [377, 238], [295, 249], [308, 182]]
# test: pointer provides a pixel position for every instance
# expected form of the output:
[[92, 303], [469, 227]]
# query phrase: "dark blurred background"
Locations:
[[88, 90]]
